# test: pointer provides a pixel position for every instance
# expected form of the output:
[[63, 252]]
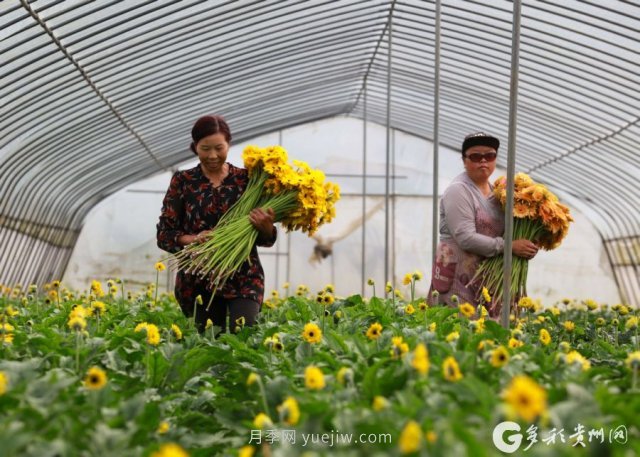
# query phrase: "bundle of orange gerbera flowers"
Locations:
[[538, 217]]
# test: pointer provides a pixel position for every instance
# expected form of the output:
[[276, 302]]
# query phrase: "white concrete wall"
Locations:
[[118, 239]]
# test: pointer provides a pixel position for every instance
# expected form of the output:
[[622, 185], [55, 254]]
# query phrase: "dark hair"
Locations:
[[209, 125]]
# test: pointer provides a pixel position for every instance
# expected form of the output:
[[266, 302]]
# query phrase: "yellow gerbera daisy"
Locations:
[[633, 360], [79, 311], [526, 303], [170, 450], [153, 334], [314, 378], [591, 304], [374, 331], [10, 312], [467, 309], [262, 421], [526, 398], [451, 370], [545, 337], [312, 333], [478, 325], [574, 357], [77, 323], [141, 326], [344, 375], [515, 343], [6, 328], [289, 411], [453, 336], [398, 347], [98, 308], [328, 299], [176, 332], [420, 360], [163, 427], [252, 378], [499, 356], [246, 451], [95, 379], [410, 438], [379, 403], [4, 383]]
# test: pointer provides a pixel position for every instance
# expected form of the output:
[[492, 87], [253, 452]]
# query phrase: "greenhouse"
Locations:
[[361, 133]]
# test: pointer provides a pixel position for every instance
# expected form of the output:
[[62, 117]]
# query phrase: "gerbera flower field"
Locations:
[[116, 371], [319, 228]]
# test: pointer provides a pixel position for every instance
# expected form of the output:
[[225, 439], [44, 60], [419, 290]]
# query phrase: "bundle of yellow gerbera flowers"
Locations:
[[538, 217], [299, 196]]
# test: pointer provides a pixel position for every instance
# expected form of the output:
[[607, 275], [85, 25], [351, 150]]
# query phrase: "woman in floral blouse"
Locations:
[[196, 200]]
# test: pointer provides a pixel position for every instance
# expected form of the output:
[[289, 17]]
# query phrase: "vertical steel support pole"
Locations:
[[436, 134], [393, 206], [511, 165], [277, 246], [364, 190], [388, 152]]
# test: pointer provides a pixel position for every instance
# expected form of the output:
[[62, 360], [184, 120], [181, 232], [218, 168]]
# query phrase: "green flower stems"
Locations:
[[78, 343], [155, 299], [263, 394], [233, 238], [195, 311], [148, 364], [490, 271]]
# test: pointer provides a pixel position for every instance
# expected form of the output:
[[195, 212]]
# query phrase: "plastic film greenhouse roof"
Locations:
[[98, 95]]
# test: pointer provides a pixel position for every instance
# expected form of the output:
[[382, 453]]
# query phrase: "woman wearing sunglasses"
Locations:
[[471, 224]]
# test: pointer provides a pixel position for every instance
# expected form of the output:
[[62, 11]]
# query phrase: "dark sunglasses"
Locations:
[[477, 158]]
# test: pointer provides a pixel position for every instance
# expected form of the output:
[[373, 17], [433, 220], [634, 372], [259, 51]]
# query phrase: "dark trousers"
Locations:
[[235, 308]]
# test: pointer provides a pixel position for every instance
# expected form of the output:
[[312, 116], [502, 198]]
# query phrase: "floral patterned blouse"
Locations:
[[193, 204]]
